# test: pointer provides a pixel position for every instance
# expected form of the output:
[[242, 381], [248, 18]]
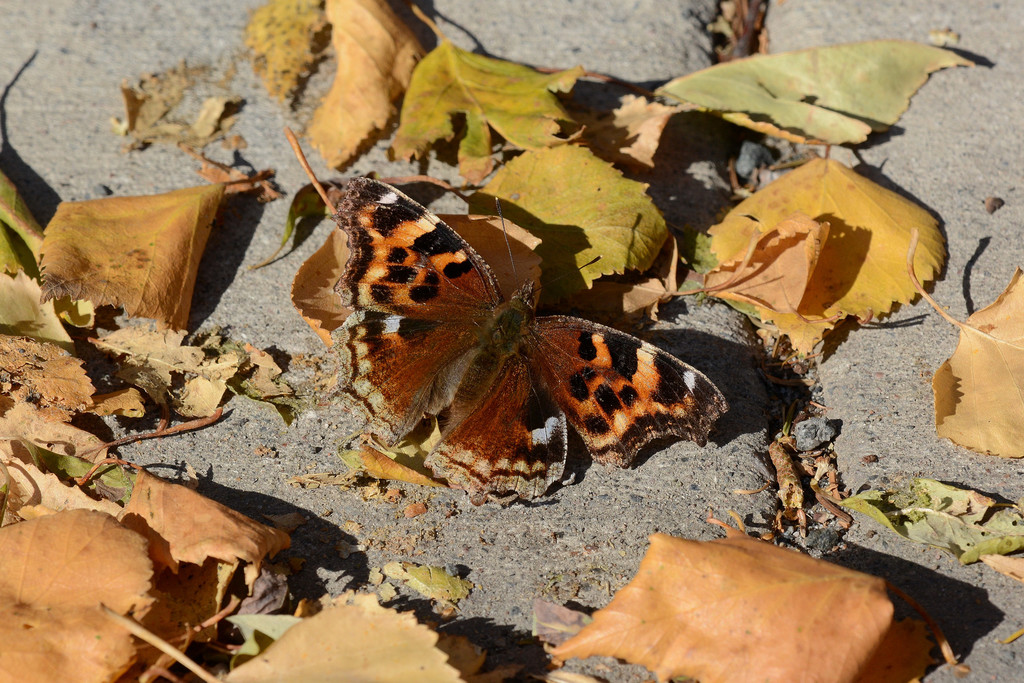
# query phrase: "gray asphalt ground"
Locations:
[[61, 63]]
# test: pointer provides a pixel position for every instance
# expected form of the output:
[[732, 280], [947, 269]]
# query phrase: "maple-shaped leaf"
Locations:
[[141, 253], [979, 391], [739, 609], [858, 269], [836, 94], [57, 571], [964, 522], [629, 135], [582, 208], [281, 35], [376, 53], [20, 235], [210, 530], [354, 640], [518, 102]]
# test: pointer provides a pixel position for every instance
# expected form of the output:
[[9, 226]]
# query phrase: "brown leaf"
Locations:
[[1012, 566], [124, 402], [138, 252], [514, 261], [37, 491], [56, 572], [45, 375], [375, 54], [313, 287], [209, 530], [630, 134], [739, 609], [555, 624], [46, 429]]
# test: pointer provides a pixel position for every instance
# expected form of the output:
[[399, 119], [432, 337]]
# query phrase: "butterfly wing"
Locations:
[[619, 392], [419, 292]]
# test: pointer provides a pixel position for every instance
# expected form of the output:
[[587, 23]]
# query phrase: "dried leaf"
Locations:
[[1010, 566], [581, 207], [979, 391], [313, 287], [22, 313], [31, 487], [630, 134], [44, 375], [46, 429], [122, 402], [138, 252], [508, 249], [20, 235], [861, 268], [57, 570], [739, 609], [361, 641], [836, 94], [516, 101], [209, 530], [431, 582], [376, 54], [555, 624], [964, 522], [281, 35], [260, 631]]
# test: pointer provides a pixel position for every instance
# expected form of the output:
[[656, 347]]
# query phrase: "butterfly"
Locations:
[[431, 335]]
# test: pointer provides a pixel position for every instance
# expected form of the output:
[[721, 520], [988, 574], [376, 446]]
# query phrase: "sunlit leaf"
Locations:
[[281, 35], [43, 374], [630, 134], [20, 235], [23, 314], [431, 582]]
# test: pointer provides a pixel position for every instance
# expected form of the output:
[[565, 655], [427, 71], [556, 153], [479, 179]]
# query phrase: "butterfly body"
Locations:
[[431, 334]]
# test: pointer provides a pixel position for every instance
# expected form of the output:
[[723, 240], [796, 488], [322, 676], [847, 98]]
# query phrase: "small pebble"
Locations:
[[812, 433], [752, 156]]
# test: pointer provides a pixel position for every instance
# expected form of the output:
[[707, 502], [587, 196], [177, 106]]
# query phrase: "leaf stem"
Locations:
[[940, 638], [141, 632], [309, 171], [911, 250], [421, 15]]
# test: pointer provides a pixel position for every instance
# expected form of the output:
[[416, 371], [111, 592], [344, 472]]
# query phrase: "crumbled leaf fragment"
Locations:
[[141, 253], [836, 94], [964, 522], [979, 391], [581, 208], [431, 582], [629, 135], [518, 102], [43, 374], [281, 35], [376, 53]]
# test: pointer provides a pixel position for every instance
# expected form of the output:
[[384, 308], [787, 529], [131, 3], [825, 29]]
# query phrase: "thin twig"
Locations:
[[161, 430], [7, 491], [309, 171], [141, 632]]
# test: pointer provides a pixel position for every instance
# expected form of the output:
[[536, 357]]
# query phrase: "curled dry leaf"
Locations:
[[141, 253], [630, 134], [857, 269], [122, 402], [209, 530], [45, 429], [518, 102], [313, 287], [357, 641], [33, 488], [836, 94], [581, 207], [964, 522], [739, 609], [979, 391], [403, 461], [281, 35], [22, 313], [375, 54], [1010, 566], [56, 572], [45, 375]]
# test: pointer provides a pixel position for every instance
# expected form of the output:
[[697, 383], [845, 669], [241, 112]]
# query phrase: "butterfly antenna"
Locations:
[[309, 171], [508, 245], [578, 270]]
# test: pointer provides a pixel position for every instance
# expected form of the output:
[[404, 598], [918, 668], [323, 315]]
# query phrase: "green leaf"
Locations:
[[109, 481], [837, 94], [20, 235], [581, 207], [259, 631], [432, 582], [962, 521], [515, 100]]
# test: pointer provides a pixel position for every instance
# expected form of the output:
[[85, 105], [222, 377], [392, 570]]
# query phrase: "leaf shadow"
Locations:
[[962, 610], [968, 271]]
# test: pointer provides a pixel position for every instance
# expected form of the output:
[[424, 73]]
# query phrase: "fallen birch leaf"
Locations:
[[431, 582], [141, 253], [359, 641], [861, 267], [57, 570], [376, 53], [518, 102], [282, 36], [835, 95], [964, 522], [22, 313], [581, 207], [739, 609], [979, 391]]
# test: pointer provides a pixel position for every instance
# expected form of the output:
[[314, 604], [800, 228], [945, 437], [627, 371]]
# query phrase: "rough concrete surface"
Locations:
[[61, 62]]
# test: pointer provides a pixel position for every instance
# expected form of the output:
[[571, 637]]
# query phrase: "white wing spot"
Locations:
[[547, 432], [391, 324], [389, 198], [690, 379]]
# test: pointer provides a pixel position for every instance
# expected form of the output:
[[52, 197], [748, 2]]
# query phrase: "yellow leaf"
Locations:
[[581, 207], [57, 569], [22, 312], [124, 402], [281, 35], [861, 268], [630, 134], [361, 641], [431, 582], [138, 252], [20, 235], [515, 100], [738, 609], [836, 95], [376, 54], [979, 391]]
